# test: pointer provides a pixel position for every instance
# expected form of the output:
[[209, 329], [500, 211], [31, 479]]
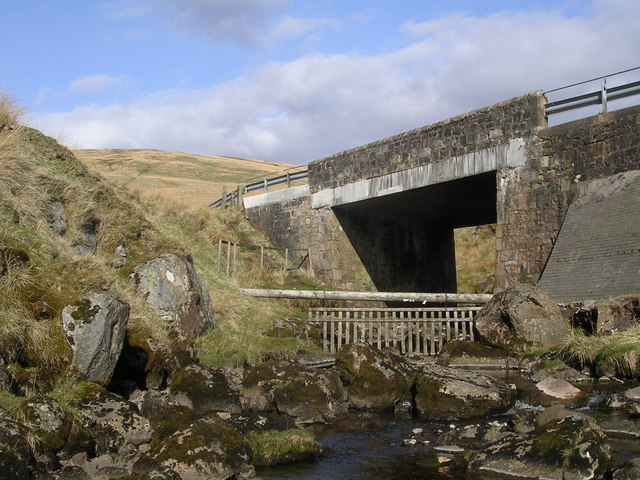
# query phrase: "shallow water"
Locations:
[[370, 447]]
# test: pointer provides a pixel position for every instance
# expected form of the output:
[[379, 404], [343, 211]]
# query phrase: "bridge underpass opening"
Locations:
[[405, 240]]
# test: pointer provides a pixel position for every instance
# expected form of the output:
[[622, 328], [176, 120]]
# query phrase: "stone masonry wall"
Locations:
[[294, 224], [480, 129], [533, 199]]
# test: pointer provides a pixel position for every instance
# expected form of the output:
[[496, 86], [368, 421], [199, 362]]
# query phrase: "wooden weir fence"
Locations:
[[407, 330]]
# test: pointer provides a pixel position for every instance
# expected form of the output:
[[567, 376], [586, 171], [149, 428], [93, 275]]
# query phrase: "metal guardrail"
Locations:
[[598, 97], [236, 195]]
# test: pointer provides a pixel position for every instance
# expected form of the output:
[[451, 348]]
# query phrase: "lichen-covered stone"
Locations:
[[95, 330], [375, 380], [204, 390], [447, 393], [172, 287], [519, 315], [570, 448], [206, 450], [113, 422]]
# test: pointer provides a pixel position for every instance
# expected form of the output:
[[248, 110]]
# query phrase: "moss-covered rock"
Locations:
[[447, 393], [570, 448], [278, 447], [204, 390], [206, 450], [16, 458], [308, 395], [50, 424], [374, 379]]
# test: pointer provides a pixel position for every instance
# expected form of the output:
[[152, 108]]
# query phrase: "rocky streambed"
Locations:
[[215, 424]]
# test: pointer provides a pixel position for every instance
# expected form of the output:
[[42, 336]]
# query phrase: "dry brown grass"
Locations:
[[475, 256], [188, 179]]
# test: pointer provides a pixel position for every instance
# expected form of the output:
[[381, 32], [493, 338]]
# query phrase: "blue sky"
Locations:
[[292, 80]]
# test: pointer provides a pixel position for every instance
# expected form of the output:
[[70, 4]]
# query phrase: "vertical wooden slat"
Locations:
[[368, 314], [333, 335], [472, 324], [379, 325], [432, 349], [402, 333], [386, 329]]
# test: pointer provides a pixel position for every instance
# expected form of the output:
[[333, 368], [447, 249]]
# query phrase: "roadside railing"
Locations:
[[234, 198], [602, 96]]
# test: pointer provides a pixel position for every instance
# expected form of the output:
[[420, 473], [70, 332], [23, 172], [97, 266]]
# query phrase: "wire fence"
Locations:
[[292, 258]]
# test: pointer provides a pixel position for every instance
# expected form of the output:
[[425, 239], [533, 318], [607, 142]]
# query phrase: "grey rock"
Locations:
[[114, 423], [570, 448], [308, 395], [557, 388], [522, 313], [448, 393], [474, 436], [95, 330], [55, 215], [16, 458], [617, 314], [204, 390], [89, 242], [375, 380], [171, 286], [216, 452], [625, 429], [629, 471], [51, 424]]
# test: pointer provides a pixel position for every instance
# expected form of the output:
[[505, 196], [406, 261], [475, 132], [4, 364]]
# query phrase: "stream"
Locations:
[[367, 446]]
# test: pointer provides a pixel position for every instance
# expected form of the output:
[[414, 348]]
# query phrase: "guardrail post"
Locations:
[[266, 185], [288, 180], [603, 96]]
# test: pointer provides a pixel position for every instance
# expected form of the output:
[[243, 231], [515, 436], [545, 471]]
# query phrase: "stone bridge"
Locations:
[[382, 216]]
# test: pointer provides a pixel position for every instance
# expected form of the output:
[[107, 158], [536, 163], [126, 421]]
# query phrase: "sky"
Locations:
[[292, 80]]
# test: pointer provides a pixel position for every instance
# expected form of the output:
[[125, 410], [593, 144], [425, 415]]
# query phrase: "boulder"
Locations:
[[204, 390], [375, 380], [629, 471], [171, 286], [560, 370], [55, 216], [457, 353], [206, 450], [521, 314], [617, 314], [570, 448], [16, 458], [558, 388], [309, 395], [444, 393], [88, 242], [95, 330], [295, 328], [114, 423], [50, 424]]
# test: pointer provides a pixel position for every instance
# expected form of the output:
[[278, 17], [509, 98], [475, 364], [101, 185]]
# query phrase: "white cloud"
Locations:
[[318, 105], [95, 83]]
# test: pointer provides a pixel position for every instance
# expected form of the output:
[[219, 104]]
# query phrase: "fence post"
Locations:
[[228, 258], [261, 257], [235, 258], [219, 253], [224, 197], [286, 260]]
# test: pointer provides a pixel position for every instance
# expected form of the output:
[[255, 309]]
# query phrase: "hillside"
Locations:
[[192, 179]]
